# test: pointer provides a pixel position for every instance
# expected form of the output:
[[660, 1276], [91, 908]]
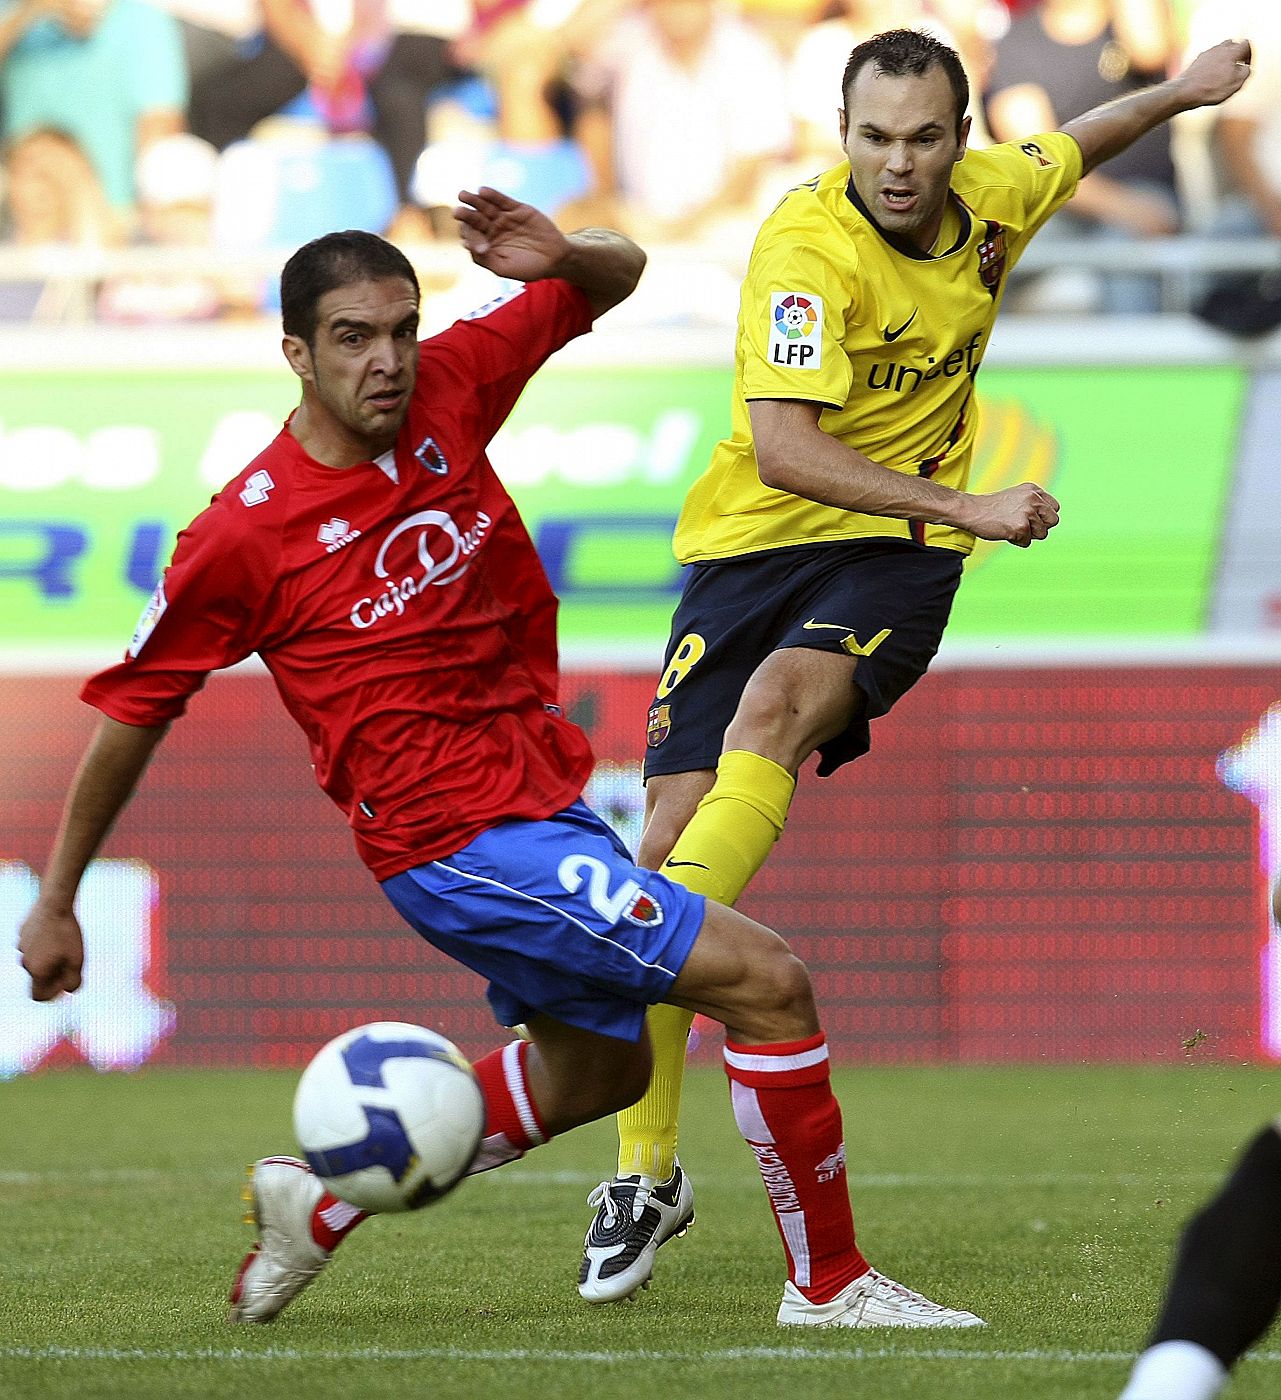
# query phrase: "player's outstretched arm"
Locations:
[[794, 454], [50, 940], [516, 240], [1212, 77]]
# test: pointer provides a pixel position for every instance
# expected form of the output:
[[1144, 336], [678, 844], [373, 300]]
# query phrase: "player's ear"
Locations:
[[965, 136], [298, 353], [844, 121]]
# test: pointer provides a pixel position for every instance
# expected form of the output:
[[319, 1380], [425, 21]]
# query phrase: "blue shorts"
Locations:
[[890, 599], [559, 918]]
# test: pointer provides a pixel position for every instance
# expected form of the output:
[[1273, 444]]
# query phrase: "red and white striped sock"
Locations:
[[333, 1220], [785, 1109], [512, 1124], [512, 1127]]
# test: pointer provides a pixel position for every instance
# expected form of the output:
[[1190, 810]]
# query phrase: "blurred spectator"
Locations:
[[358, 69], [54, 196], [1245, 163], [215, 33], [518, 46], [54, 200], [176, 179], [784, 22], [1060, 60], [1248, 130], [977, 26], [684, 111], [511, 124], [108, 73]]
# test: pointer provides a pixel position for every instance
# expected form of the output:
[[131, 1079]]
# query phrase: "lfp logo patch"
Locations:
[[796, 330]]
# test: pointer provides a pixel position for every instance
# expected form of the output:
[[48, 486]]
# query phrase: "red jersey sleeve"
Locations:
[[201, 618], [491, 355]]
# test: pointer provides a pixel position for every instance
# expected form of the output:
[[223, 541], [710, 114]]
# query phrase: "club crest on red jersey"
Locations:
[[643, 910], [430, 456], [659, 725], [992, 257]]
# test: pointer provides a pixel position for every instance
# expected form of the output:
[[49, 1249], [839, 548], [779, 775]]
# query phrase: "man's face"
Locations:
[[79, 17], [900, 136], [360, 371], [683, 23]]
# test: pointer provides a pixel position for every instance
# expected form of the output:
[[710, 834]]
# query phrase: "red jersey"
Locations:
[[408, 623]]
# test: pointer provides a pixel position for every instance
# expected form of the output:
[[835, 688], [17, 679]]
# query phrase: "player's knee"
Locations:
[[778, 998], [786, 726], [765, 720]]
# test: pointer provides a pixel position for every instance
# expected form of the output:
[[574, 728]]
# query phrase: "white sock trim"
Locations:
[[514, 1074], [776, 1064], [1176, 1371], [340, 1214]]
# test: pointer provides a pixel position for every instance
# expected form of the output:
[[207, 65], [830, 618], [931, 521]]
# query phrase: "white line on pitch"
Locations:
[[524, 1354], [107, 1176]]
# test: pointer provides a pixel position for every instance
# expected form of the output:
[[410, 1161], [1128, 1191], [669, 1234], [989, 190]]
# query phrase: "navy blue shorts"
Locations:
[[884, 601], [559, 918]]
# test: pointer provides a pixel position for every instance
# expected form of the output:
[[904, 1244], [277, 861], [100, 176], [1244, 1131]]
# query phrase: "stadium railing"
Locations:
[[1181, 264]]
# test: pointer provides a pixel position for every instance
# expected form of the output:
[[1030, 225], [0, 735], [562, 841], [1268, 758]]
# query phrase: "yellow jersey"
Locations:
[[888, 339]]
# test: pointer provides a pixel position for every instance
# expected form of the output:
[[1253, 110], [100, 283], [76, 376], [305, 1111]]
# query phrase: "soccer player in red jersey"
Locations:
[[373, 560]]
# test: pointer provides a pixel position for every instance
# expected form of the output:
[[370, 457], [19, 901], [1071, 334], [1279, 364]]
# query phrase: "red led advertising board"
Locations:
[[1059, 865]]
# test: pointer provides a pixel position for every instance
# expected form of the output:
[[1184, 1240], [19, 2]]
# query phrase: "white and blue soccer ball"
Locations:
[[389, 1116]]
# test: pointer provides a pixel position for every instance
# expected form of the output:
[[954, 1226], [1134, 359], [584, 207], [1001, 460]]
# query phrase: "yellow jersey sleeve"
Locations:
[[793, 314], [1031, 178]]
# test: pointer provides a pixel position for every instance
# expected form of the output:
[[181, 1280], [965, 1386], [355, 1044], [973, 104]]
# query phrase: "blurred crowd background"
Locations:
[[208, 132]]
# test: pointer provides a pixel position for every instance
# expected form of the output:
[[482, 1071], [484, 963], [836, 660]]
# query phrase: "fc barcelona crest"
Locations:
[[431, 456], [992, 257], [659, 725]]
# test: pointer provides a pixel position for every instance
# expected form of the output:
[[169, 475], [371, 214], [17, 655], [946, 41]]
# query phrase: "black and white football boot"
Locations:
[[634, 1215]]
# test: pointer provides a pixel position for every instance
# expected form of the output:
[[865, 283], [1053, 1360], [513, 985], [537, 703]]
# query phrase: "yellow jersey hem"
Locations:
[[964, 545]]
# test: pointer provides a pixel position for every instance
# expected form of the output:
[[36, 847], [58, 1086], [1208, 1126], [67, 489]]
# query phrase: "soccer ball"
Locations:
[[389, 1116]]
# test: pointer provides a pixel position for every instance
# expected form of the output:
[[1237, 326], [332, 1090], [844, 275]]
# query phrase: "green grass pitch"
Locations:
[[1045, 1199]]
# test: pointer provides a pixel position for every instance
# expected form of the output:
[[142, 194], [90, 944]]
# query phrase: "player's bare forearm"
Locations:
[[104, 782], [794, 454], [1212, 77], [606, 264], [50, 942]]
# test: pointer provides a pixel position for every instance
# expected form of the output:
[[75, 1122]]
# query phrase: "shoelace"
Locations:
[[904, 1294], [605, 1193]]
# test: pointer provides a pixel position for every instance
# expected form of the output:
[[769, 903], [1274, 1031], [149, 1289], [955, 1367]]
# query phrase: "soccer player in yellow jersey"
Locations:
[[826, 538]]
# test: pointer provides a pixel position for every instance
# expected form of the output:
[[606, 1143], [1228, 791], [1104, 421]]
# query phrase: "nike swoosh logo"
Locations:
[[894, 335], [849, 641], [672, 864]]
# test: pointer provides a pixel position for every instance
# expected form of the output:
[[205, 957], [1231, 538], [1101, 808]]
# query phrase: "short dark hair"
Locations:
[[903, 52], [335, 260]]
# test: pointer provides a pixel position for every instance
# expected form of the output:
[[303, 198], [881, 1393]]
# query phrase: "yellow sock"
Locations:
[[723, 846], [647, 1130], [734, 827]]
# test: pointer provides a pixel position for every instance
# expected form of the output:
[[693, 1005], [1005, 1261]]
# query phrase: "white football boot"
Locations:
[[870, 1301], [282, 1193], [634, 1215]]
